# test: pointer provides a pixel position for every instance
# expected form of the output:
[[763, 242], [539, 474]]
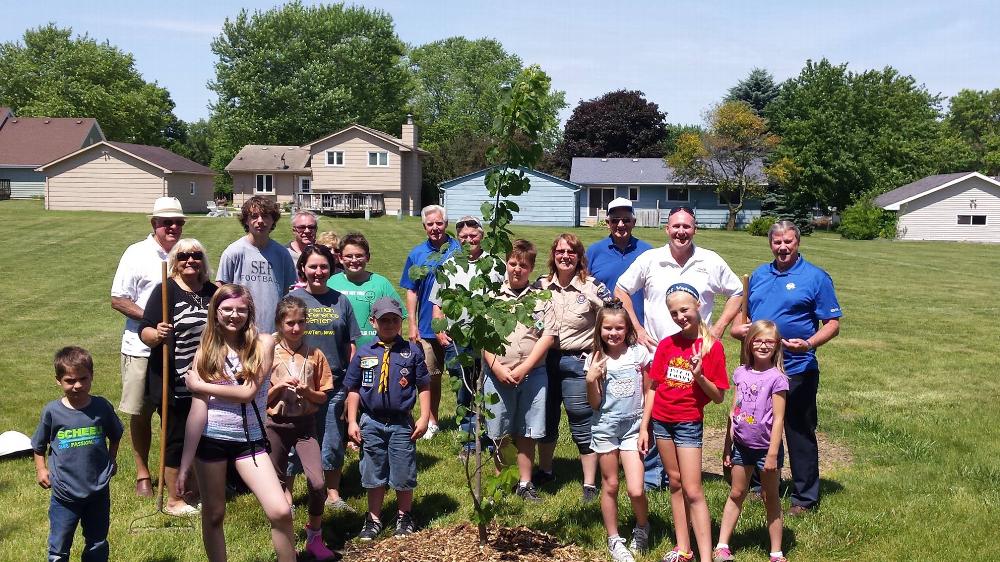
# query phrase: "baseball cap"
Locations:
[[619, 203], [386, 305]]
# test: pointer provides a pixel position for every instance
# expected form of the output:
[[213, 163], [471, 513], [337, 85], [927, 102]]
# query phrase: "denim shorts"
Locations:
[[388, 455], [520, 412], [613, 431], [745, 456], [683, 434]]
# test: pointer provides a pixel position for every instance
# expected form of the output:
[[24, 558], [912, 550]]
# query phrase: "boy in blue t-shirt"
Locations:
[[80, 432], [384, 380]]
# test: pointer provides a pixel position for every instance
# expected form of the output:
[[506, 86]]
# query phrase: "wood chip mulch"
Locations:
[[461, 544]]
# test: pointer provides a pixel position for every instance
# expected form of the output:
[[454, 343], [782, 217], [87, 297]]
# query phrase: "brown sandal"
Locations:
[[144, 487]]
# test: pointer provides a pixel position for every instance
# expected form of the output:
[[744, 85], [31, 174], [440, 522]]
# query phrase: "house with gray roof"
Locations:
[[350, 171], [654, 188], [29, 142], [963, 206]]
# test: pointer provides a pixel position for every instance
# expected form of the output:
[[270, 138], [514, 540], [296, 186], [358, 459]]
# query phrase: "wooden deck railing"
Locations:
[[341, 203]]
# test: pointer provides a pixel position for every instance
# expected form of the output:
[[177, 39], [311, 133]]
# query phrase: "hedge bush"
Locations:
[[864, 221], [760, 225]]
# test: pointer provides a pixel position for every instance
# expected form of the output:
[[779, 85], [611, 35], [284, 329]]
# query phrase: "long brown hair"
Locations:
[[612, 309], [767, 329], [211, 363], [581, 255]]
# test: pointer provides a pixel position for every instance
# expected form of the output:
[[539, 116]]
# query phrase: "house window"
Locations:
[[974, 220], [265, 183], [678, 194], [193, 186], [599, 197], [380, 159], [305, 185], [633, 194], [727, 197], [334, 157]]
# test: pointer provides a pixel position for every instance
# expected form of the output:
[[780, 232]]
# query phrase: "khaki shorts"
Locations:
[[133, 371], [433, 357]]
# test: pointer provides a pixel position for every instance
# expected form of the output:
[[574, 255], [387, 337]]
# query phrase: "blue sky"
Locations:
[[683, 55]]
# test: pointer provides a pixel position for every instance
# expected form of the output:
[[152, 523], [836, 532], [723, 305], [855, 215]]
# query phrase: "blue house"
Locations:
[[551, 201], [29, 142], [654, 188]]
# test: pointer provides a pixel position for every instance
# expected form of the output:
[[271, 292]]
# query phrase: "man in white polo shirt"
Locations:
[[139, 271], [679, 261]]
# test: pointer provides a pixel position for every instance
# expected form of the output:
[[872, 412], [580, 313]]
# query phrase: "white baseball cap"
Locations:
[[618, 204]]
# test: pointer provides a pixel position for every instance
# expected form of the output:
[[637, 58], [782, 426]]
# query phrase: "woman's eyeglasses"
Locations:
[[185, 256]]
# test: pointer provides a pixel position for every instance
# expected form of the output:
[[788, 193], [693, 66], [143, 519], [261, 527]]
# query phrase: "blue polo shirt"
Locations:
[[797, 301], [607, 263], [407, 376], [425, 255]]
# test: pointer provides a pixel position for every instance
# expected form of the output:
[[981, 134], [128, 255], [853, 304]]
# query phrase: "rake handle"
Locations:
[[165, 375]]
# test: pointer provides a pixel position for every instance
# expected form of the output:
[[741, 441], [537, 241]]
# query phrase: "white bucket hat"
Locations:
[[168, 208]]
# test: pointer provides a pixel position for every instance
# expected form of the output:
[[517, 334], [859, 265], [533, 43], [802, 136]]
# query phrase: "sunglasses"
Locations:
[[167, 223], [620, 220], [304, 228], [185, 256], [471, 223], [676, 210]]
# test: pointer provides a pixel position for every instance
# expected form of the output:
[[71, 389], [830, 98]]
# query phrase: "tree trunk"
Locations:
[[477, 408]]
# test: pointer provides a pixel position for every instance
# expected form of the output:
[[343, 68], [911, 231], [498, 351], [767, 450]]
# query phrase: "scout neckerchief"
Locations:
[[383, 378]]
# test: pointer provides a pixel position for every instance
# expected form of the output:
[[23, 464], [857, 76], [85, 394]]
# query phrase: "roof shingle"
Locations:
[[259, 157], [33, 141], [633, 171]]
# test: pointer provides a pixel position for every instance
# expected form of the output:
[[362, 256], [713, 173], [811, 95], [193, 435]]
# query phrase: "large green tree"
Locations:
[[294, 73], [850, 134], [53, 74], [973, 121], [756, 90], [458, 90], [618, 124]]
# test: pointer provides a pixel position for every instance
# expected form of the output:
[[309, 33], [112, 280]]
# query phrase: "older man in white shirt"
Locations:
[[139, 271]]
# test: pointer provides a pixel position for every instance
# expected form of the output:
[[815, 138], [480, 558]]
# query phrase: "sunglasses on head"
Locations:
[[184, 256], [470, 223], [171, 222], [676, 210]]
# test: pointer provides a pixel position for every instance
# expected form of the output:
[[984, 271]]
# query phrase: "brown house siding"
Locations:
[[179, 186], [104, 182], [356, 175], [244, 184]]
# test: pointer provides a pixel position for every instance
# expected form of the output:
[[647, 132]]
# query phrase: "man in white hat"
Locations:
[[139, 271]]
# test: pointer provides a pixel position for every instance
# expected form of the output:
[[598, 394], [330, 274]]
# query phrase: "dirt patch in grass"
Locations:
[[460, 544], [831, 453]]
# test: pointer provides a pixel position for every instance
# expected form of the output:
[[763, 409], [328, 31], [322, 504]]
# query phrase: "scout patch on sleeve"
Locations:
[[369, 361]]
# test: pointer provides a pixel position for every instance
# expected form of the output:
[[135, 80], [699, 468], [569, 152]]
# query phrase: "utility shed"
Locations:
[[551, 201], [963, 206], [118, 176]]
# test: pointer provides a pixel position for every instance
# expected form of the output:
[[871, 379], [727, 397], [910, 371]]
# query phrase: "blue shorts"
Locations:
[[520, 412], [745, 456], [388, 455], [683, 434], [613, 431]]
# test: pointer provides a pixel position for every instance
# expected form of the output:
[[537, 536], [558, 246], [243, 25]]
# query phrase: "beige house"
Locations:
[[348, 172], [964, 207], [118, 176]]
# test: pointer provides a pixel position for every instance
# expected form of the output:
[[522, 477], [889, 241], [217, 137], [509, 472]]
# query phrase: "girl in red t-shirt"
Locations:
[[689, 370]]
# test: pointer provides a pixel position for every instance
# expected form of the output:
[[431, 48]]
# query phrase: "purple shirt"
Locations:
[[753, 414]]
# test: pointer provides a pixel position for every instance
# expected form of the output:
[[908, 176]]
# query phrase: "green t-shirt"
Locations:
[[362, 296]]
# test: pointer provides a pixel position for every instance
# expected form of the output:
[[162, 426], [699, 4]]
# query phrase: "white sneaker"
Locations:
[[619, 552], [432, 430]]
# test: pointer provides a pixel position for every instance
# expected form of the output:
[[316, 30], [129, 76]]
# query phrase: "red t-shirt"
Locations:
[[678, 397]]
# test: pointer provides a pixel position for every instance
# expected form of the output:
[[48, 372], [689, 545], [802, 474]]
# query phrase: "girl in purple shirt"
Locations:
[[753, 438]]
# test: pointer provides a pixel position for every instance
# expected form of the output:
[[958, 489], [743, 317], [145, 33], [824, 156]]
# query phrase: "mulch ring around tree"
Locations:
[[461, 544]]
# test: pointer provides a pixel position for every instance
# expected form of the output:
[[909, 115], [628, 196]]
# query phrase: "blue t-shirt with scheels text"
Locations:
[[77, 443], [796, 300], [267, 272], [425, 255]]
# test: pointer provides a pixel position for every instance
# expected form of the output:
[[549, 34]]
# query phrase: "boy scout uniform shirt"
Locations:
[[522, 340], [406, 377], [575, 307]]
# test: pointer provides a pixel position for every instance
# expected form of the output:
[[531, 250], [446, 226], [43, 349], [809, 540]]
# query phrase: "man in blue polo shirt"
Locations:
[[798, 297], [438, 247], [607, 259]]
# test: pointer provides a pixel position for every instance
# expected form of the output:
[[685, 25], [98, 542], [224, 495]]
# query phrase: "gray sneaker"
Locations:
[[640, 539], [527, 492], [590, 493], [619, 552]]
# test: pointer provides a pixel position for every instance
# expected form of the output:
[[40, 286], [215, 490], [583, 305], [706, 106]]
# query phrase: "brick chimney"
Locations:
[[409, 136]]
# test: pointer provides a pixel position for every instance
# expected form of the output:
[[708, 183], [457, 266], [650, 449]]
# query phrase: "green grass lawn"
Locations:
[[906, 387]]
